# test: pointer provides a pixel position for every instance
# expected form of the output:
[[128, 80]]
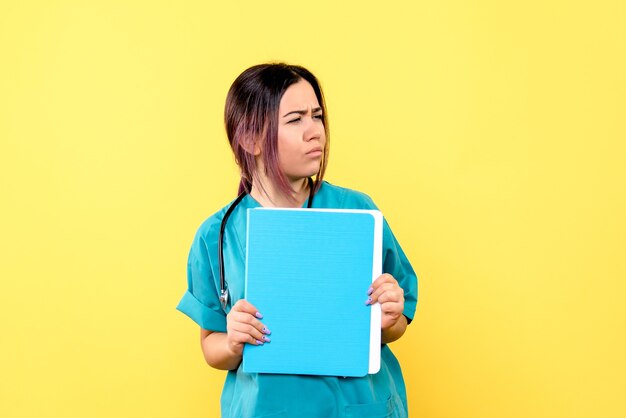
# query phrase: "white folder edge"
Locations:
[[377, 270]]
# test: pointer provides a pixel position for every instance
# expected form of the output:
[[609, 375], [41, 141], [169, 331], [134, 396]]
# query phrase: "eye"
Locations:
[[294, 120], [320, 116]]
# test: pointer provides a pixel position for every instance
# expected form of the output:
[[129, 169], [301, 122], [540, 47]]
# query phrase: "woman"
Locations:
[[276, 123]]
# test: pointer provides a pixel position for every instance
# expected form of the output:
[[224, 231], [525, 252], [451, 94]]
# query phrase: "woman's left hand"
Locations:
[[390, 295]]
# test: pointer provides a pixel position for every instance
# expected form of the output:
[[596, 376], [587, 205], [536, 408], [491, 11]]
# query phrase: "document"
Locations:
[[308, 272]]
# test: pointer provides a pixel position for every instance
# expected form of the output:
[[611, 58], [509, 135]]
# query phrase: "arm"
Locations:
[[224, 350], [216, 351]]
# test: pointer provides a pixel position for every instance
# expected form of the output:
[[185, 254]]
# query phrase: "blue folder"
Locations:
[[307, 272]]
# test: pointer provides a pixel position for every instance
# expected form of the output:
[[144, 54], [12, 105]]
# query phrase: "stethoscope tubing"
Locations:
[[220, 245]]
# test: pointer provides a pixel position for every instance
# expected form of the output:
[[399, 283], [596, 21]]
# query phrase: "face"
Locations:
[[301, 135]]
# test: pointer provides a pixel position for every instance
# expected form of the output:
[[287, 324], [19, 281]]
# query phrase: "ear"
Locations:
[[252, 146]]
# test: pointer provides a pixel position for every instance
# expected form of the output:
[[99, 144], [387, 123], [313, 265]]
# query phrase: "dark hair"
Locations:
[[251, 114]]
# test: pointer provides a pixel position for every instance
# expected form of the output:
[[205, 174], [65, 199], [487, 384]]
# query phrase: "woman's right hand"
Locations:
[[243, 327]]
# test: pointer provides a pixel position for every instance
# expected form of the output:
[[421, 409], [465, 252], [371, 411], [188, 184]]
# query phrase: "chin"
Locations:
[[309, 171]]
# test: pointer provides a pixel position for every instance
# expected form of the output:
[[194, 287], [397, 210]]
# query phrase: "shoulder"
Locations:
[[210, 227], [343, 197]]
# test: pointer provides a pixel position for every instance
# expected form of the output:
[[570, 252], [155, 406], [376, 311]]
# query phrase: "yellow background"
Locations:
[[490, 133]]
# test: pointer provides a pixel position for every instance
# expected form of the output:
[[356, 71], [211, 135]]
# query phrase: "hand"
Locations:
[[243, 327], [390, 295]]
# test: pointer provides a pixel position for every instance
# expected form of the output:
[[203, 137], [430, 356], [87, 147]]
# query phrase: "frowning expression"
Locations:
[[301, 135]]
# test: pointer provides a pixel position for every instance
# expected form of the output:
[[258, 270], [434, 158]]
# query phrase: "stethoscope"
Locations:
[[220, 244]]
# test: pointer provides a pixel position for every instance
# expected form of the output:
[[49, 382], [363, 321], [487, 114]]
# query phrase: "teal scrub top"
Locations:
[[275, 395]]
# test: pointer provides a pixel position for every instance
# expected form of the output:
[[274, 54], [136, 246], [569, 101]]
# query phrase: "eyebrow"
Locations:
[[302, 112]]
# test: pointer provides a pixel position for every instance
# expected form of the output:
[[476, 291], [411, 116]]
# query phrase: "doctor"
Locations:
[[276, 124]]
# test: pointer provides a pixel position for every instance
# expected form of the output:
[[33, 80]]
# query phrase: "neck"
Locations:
[[269, 195]]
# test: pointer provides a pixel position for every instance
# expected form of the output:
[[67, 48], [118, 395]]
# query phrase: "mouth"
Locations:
[[317, 151]]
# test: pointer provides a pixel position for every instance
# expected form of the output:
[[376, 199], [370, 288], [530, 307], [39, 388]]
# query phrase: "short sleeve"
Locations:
[[396, 263], [201, 301]]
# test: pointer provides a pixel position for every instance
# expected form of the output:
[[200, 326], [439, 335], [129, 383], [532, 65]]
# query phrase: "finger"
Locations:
[[243, 338], [391, 295], [392, 288], [383, 278], [381, 281], [392, 308], [243, 305], [247, 319], [250, 331]]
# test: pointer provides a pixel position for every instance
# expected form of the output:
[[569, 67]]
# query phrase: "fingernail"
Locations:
[[266, 339], [266, 331], [259, 342], [368, 301], [370, 290], [258, 315]]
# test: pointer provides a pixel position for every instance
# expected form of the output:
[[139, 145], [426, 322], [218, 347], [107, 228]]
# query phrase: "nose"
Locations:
[[313, 130]]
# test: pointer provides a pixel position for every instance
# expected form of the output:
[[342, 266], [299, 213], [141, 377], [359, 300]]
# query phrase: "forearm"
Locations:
[[217, 352], [395, 331]]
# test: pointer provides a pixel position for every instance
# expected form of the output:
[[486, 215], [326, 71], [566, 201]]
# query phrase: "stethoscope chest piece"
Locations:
[[224, 298]]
